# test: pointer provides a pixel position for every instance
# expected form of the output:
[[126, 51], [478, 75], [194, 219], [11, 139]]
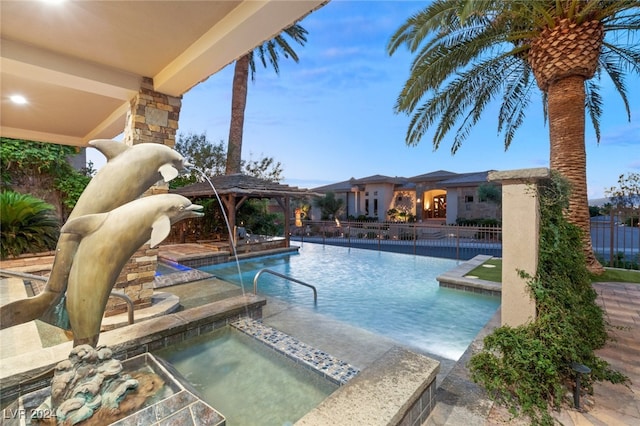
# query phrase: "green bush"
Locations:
[[29, 225], [527, 367]]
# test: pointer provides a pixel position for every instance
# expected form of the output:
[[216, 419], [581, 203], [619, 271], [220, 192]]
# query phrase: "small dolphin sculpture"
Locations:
[[107, 241], [129, 172]]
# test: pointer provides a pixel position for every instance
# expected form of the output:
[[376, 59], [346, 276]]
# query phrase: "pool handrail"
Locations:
[[24, 275], [269, 271]]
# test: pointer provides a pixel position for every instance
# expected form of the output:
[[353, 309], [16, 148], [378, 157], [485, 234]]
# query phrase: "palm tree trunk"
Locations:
[[238, 104], [566, 98]]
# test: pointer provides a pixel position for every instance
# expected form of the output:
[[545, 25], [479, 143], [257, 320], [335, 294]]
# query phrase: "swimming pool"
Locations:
[[395, 295], [247, 382]]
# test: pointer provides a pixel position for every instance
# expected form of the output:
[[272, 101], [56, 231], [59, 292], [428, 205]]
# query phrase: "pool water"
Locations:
[[244, 380], [395, 295]]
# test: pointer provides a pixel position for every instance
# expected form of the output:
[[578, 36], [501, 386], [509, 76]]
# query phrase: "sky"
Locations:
[[330, 116]]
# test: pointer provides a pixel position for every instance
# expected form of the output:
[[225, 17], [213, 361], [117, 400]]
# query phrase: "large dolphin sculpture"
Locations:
[[107, 242], [129, 172]]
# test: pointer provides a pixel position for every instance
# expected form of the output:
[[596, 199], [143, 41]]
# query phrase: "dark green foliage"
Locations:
[[29, 225], [528, 367], [330, 206], [210, 158], [489, 192], [45, 163], [255, 217], [621, 261], [594, 211]]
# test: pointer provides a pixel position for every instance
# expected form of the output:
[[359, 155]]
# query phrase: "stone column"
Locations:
[[153, 117], [520, 235]]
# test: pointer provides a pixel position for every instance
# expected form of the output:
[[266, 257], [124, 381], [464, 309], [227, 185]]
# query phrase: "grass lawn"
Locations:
[[495, 274]]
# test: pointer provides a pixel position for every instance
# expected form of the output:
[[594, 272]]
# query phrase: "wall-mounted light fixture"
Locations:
[[18, 99]]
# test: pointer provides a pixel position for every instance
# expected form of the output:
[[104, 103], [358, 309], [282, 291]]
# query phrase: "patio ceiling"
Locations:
[[79, 63]]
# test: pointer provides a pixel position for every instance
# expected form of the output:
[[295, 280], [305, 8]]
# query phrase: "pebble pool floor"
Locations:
[[330, 367]]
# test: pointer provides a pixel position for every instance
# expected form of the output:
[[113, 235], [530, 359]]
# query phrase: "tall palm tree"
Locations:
[[469, 53], [267, 53]]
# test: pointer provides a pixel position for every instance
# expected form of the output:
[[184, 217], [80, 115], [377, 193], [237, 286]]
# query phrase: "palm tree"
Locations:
[[269, 51], [469, 53]]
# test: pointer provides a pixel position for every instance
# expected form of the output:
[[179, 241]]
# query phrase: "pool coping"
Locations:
[[455, 278]]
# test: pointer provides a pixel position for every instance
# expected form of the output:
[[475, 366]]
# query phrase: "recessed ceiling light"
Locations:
[[18, 99]]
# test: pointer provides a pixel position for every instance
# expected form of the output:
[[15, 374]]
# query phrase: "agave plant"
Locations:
[[29, 225]]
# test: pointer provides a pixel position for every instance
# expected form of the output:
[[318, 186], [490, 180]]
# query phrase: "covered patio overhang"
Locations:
[[78, 64], [235, 189]]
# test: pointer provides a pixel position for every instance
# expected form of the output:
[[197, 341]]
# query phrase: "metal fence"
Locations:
[[426, 239], [616, 238]]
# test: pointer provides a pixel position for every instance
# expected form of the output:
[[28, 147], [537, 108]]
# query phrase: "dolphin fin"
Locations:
[[84, 225], [160, 230], [168, 172], [109, 148]]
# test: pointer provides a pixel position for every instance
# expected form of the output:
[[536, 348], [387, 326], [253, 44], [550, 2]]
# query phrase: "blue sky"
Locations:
[[330, 117]]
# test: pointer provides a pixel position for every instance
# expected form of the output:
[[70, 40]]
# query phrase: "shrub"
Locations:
[[29, 225]]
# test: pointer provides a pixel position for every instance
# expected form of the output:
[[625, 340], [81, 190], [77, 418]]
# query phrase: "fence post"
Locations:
[[415, 239], [458, 242], [324, 232], [611, 232]]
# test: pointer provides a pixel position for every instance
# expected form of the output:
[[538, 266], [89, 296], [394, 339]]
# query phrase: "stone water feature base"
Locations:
[[177, 402]]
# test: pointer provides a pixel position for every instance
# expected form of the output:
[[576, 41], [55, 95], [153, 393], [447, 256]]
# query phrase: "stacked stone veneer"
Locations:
[[152, 118], [136, 281]]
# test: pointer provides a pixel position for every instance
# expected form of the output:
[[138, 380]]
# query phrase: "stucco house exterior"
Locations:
[[439, 196]]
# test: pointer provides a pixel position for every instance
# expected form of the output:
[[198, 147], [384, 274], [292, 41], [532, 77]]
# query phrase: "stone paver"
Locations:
[[610, 404]]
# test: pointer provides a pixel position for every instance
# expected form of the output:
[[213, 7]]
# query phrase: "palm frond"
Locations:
[[609, 63], [455, 42], [515, 100], [269, 52], [593, 104]]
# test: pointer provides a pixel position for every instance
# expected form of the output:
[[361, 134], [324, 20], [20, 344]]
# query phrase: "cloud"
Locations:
[[340, 52], [634, 165], [625, 135]]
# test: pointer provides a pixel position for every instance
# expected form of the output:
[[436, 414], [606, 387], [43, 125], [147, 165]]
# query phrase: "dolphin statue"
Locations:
[[129, 172], [107, 242]]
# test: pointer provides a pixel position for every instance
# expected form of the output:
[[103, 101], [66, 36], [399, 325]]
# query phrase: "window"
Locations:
[[468, 198], [375, 207]]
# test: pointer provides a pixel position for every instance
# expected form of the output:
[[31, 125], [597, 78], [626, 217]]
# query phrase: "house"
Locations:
[[440, 196]]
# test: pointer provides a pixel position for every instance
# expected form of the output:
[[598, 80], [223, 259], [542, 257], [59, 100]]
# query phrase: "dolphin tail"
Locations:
[[26, 310]]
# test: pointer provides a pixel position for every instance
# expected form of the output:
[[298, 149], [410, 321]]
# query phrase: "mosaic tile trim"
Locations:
[[330, 367]]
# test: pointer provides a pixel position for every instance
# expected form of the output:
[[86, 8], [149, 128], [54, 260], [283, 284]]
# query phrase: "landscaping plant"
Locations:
[[528, 368], [29, 225]]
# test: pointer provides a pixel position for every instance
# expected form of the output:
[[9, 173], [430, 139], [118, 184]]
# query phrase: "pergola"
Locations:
[[235, 189]]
